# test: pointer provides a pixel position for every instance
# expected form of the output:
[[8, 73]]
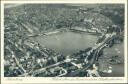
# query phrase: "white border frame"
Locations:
[[30, 80]]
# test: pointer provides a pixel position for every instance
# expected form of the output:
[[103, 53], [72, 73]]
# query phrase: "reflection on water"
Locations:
[[68, 42]]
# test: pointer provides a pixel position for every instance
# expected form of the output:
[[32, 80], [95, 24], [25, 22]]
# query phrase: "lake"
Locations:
[[70, 42], [67, 42], [117, 69]]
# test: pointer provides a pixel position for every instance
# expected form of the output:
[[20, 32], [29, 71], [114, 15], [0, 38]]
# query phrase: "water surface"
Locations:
[[68, 42], [117, 69]]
